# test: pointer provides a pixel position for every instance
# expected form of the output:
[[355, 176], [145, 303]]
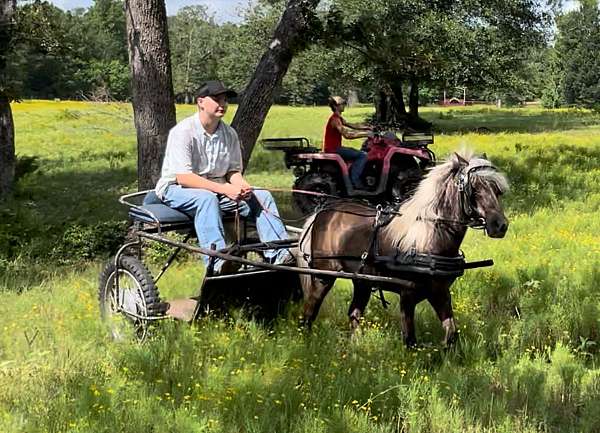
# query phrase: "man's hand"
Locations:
[[238, 180], [234, 192], [246, 189], [236, 189], [246, 193]]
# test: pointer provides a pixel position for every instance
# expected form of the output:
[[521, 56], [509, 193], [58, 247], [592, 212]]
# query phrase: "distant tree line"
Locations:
[[397, 53]]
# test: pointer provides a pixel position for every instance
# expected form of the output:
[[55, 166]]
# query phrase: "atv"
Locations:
[[395, 165]]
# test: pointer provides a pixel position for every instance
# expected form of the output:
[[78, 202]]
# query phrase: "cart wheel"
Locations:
[[124, 308]]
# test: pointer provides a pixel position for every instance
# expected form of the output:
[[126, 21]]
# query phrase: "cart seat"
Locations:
[[152, 207]]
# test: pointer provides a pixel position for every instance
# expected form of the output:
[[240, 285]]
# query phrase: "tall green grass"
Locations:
[[527, 357]]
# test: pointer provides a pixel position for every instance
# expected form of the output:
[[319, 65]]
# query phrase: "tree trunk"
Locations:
[[399, 108], [381, 107], [413, 99], [7, 132], [7, 148], [391, 109], [288, 39], [152, 87], [390, 105]]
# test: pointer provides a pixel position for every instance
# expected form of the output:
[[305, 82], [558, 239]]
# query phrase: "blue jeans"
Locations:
[[359, 159], [207, 208]]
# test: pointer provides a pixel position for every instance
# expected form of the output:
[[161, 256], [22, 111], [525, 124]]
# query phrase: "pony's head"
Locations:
[[463, 191], [480, 187]]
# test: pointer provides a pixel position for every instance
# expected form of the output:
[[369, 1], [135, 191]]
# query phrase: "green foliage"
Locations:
[[443, 43], [84, 242], [245, 43], [25, 165], [495, 49], [196, 46], [309, 77], [8, 91], [83, 53], [107, 80], [69, 54], [552, 96], [576, 46]]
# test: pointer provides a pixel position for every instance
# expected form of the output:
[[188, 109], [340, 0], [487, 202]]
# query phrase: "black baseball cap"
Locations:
[[214, 88]]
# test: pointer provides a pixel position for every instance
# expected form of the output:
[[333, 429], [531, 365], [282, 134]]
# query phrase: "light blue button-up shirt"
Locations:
[[190, 149]]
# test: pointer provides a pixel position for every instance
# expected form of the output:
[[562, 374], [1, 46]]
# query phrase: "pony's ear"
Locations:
[[458, 161], [484, 156]]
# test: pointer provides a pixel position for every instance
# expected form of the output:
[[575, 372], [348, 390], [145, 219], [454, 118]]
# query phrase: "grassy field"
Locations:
[[526, 361]]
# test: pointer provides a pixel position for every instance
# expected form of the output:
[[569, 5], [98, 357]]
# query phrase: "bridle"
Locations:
[[463, 179]]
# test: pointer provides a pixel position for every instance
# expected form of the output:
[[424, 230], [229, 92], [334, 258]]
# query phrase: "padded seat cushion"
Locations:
[[161, 211]]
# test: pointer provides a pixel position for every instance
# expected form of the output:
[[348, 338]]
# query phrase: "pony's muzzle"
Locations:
[[496, 225]]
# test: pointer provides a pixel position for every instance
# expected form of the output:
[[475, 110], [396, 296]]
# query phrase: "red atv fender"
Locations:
[[389, 154]]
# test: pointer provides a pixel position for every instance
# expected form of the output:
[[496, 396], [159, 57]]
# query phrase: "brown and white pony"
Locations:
[[460, 193]]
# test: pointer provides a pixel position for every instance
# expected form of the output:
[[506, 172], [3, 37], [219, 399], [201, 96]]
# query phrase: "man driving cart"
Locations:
[[202, 176]]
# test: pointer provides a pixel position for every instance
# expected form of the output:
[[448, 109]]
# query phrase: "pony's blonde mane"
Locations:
[[415, 226]]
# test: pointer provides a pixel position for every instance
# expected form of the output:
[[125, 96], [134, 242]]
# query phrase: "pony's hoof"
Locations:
[[450, 342]]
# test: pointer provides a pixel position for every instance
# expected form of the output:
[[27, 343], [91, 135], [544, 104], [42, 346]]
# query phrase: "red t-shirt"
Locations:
[[333, 138]]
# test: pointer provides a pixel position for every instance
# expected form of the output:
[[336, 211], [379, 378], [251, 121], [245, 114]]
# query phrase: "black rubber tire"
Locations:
[[403, 184], [139, 291], [315, 182]]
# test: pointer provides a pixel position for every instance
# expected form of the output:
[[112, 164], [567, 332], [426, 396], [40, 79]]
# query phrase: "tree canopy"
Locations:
[[497, 49], [442, 43]]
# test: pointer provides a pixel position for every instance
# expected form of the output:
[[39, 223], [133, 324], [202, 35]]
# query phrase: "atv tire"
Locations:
[[403, 184], [137, 297], [323, 183]]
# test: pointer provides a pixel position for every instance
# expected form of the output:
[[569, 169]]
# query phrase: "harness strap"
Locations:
[[377, 224], [475, 223], [372, 238]]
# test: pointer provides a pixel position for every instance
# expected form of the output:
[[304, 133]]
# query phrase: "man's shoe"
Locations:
[[288, 260], [360, 185]]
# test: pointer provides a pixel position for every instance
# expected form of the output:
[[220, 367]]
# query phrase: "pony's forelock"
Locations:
[[496, 178]]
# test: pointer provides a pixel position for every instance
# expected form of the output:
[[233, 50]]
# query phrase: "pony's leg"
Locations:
[[360, 299], [441, 302], [313, 297], [407, 318]]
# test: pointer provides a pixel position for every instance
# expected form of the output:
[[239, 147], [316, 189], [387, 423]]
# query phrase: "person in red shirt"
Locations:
[[336, 128]]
